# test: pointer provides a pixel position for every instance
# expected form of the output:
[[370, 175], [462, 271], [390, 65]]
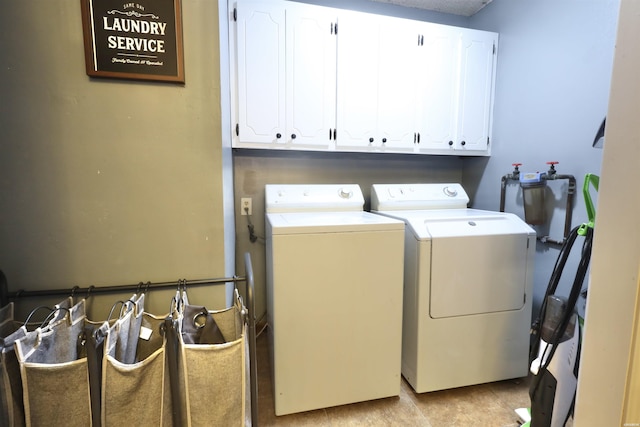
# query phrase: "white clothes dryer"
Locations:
[[334, 297], [468, 279]]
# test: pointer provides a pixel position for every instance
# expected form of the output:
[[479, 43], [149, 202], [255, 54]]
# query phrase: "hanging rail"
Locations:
[[5, 296]]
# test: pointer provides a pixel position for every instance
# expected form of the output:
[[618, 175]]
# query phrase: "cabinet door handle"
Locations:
[[293, 136], [415, 137], [384, 140], [450, 143], [334, 134], [370, 139], [278, 135], [463, 143]]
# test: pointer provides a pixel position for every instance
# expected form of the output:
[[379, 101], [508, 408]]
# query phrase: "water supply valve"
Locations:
[[534, 187], [516, 171]]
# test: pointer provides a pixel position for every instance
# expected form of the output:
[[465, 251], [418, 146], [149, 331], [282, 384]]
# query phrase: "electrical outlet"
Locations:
[[245, 206]]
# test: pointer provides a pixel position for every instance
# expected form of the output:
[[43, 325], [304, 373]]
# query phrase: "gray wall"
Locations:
[[104, 181], [553, 78]]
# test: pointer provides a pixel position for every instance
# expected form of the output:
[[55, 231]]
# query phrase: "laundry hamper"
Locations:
[[61, 365], [11, 397], [212, 365], [136, 391], [55, 379]]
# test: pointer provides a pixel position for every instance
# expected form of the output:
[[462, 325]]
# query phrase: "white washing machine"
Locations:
[[334, 297], [468, 280]]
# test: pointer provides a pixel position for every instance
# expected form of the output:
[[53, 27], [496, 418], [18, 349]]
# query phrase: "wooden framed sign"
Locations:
[[139, 40]]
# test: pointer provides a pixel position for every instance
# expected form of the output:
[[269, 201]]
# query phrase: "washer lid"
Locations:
[[443, 223], [313, 198], [330, 222], [388, 197]]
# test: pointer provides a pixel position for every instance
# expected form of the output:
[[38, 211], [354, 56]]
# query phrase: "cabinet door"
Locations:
[[475, 101], [438, 71], [358, 58], [310, 76], [397, 94], [260, 35]]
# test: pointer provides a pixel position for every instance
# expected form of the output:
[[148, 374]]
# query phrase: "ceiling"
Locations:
[[455, 7]]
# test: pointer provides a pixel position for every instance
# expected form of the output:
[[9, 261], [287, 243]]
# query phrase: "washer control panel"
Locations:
[[313, 198], [418, 196]]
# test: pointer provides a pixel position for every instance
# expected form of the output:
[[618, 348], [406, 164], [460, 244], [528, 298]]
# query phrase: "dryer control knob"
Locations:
[[345, 193], [451, 192]]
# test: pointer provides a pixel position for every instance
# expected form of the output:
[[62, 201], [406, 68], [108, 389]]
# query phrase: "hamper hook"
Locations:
[[73, 293], [113, 307], [52, 313], [35, 310]]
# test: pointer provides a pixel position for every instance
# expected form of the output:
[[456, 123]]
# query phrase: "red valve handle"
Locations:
[[552, 169], [516, 164]]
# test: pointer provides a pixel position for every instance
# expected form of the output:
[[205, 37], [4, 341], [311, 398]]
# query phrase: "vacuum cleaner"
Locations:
[[557, 334]]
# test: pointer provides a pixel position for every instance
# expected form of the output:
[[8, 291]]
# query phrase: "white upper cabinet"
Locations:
[[286, 71], [475, 98], [376, 83], [438, 70], [358, 55], [397, 95], [458, 68], [311, 76], [316, 78], [260, 70]]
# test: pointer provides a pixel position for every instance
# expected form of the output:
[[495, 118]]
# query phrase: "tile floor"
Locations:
[[486, 405]]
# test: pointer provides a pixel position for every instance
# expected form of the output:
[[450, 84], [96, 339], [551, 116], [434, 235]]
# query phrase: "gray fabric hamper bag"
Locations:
[[55, 379], [11, 330], [136, 391], [214, 375]]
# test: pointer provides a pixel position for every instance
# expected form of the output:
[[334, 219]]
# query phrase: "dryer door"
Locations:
[[478, 271]]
